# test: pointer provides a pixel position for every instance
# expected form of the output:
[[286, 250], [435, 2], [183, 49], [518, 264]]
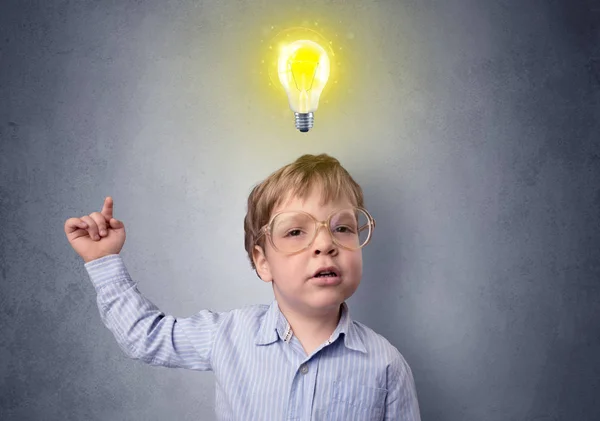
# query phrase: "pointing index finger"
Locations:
[[107, 209]]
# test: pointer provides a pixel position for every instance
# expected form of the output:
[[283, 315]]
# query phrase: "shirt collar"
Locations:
[[274, 326]]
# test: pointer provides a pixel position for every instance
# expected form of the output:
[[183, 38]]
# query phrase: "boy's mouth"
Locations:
[[326, 280], [324, 274], [326, 271], [327, 275]]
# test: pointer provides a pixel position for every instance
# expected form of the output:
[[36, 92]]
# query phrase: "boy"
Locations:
[[300, 358]]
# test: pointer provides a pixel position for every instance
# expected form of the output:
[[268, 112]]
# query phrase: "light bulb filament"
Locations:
[[299, 69]]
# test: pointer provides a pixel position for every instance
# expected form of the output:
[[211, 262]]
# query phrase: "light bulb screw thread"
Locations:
[[304, 121]]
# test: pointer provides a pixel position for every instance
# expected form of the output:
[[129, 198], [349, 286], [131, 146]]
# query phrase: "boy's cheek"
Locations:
[[356, 265]]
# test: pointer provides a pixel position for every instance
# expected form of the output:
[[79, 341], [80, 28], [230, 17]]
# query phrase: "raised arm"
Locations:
[[144, 332]]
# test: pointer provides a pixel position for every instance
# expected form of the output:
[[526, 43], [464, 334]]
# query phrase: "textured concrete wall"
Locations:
[[473, 127]]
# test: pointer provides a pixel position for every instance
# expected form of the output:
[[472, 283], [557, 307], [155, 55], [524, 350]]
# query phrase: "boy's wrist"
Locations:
[[108, 270], [89, 259]]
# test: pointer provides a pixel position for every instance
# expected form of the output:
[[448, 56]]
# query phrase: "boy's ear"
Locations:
[[261, 264]]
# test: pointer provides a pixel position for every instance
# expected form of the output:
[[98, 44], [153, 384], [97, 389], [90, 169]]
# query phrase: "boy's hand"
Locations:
[[96, 235]]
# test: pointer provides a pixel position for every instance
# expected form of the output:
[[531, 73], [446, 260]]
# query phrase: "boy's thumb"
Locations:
[[115, 223]]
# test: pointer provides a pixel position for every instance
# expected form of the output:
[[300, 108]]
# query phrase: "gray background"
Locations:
[[472, 126]]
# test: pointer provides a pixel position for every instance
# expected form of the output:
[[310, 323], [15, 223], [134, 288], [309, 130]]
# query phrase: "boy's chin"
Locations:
[[325, 302]]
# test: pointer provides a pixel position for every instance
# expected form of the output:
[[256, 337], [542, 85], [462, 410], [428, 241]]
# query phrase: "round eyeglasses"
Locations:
[[294, 231]]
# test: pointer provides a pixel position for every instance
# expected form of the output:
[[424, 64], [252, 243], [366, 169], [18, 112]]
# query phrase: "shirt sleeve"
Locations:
[[402, 403], [144, 332]]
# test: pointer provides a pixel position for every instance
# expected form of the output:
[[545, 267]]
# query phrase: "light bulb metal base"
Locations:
[[304, 121]]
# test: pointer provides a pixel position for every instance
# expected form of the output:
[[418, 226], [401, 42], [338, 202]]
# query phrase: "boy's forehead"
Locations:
[[312, 202]]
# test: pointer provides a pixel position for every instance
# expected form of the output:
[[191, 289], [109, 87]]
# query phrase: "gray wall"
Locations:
[[472, 126]]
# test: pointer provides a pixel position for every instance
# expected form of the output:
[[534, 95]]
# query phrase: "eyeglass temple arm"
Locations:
[[366, 225]]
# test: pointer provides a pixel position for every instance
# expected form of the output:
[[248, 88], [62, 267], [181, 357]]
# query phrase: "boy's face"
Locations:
[[294, 284]]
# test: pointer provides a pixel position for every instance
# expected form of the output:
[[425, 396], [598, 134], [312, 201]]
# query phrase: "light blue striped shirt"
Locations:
[[261, 370]]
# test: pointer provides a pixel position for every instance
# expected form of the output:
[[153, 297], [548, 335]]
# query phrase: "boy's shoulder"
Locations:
[[376, 344], [246, 313], [245, 317]]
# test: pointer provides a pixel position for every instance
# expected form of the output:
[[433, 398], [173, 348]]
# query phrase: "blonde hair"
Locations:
[[296, 180]]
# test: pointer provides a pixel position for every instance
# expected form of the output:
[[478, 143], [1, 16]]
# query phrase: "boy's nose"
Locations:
[[323, 242]]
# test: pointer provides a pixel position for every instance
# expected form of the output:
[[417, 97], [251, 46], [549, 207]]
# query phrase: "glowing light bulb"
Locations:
[[303, 69]]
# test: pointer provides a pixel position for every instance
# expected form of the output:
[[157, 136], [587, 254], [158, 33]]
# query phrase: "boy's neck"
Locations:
[[312, 330]]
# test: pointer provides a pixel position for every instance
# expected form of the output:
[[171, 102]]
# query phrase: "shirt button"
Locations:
[[303, 369]]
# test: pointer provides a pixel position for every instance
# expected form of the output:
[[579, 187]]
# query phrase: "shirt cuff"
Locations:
[[108, 270]]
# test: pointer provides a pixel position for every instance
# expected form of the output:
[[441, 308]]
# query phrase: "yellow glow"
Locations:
[[303, 68]]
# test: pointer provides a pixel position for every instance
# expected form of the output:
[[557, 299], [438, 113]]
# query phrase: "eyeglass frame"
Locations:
[[266, 229]]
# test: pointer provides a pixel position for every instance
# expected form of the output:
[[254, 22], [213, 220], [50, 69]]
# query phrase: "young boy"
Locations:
[[300, 358]]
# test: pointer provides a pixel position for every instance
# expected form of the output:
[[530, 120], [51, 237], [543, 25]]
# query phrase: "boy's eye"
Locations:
[[293, 233], [344, 229]]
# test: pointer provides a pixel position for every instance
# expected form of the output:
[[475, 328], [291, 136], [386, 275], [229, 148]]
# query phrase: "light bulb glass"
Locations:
[[303, 69]]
